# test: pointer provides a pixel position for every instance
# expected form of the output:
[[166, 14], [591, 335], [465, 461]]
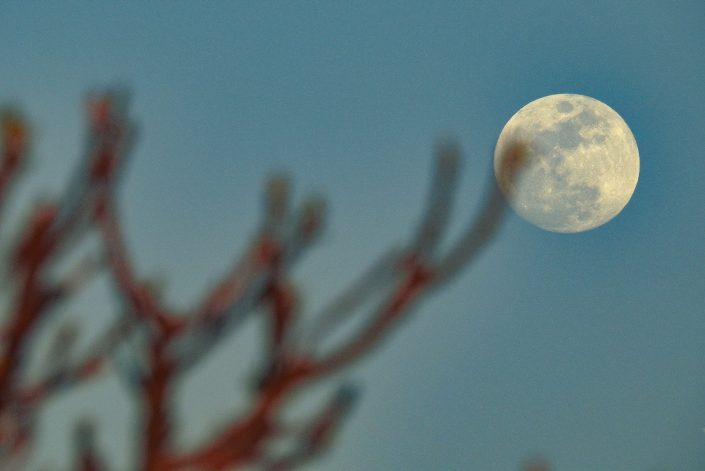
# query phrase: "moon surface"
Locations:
[[567, 163]]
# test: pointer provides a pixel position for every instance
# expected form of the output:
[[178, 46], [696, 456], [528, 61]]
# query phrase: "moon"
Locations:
[[567, 163]]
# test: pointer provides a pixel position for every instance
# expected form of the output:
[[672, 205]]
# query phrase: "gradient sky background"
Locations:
[[589, 348]]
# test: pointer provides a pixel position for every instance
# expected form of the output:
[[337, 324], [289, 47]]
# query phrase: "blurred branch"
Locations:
[[153, 347]]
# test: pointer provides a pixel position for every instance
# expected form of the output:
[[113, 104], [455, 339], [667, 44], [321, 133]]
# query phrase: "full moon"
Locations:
[[567, 163]]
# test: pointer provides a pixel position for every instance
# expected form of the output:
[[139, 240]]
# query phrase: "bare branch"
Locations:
[[440, 200]]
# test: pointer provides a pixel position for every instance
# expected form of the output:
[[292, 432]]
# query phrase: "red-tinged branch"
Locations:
[[66, 376], [14, 142], [241, 442], [418, 278], [289, 371], [33, 302], [34, 296], [259, 260], [265, 256], [109, 139], [318, 435], [33, 395], [112, 134], [239, 447], [140, 300], [381, 276], [279, 244], [156, 396], [283, 303], [177, 340], [36, 242], [49, 227]]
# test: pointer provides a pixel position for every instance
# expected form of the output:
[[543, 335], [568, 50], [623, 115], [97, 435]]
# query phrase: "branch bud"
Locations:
[[14, 133]]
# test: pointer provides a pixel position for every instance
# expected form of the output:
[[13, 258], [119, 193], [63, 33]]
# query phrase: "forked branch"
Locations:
[[165, 344]]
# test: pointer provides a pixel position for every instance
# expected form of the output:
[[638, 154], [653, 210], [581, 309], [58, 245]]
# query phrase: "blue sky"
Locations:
[[586, 347]]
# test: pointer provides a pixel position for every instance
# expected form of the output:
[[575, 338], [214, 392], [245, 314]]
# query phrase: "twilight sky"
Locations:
[[588, 348]]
